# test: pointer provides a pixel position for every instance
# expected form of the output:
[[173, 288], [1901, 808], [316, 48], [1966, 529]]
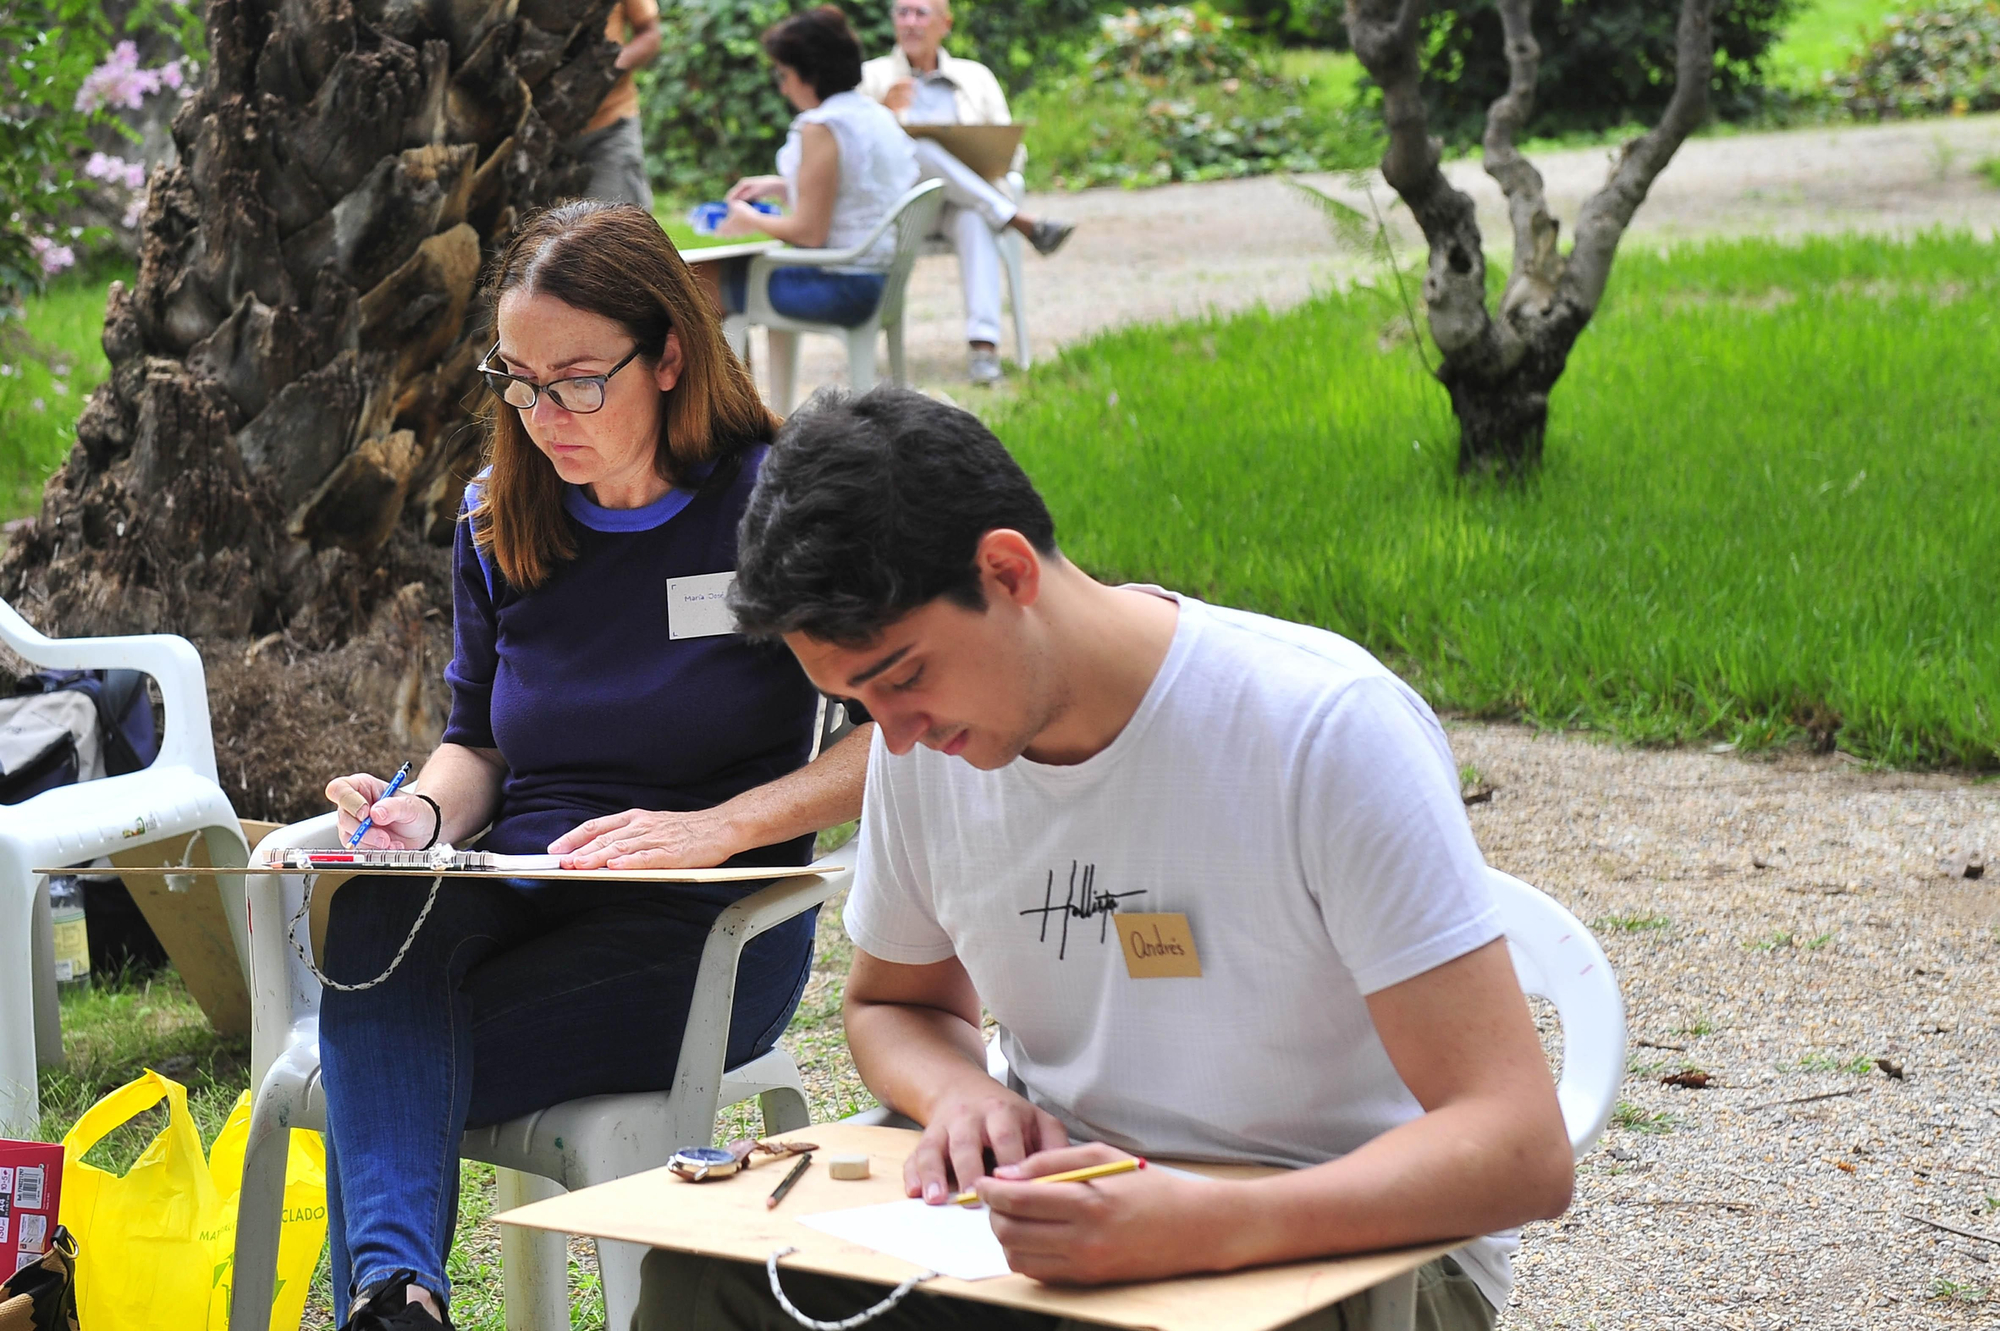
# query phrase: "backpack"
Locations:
[[73, 725]]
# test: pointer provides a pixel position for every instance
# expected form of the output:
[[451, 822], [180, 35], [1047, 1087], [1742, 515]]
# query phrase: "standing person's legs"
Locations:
[[617, 158], [683, 1292], [396, 1068]]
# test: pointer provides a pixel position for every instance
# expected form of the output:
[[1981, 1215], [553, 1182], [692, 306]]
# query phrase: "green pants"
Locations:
[[683, 1292]]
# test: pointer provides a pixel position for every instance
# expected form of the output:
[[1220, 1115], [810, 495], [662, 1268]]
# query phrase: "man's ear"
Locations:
[[667, 372], [1009, 566]]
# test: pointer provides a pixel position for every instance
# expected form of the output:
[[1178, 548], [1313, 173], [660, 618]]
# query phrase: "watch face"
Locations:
[[696, 1163]]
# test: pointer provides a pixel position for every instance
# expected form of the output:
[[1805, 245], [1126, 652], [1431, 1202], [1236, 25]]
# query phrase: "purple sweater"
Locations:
[[593, 706]]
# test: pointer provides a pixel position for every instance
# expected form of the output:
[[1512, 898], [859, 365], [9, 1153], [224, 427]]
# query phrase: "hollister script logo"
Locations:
[[1073, 906]]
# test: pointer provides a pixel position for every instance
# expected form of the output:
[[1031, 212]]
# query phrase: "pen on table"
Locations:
[[395, 782], [1125, 1166], [778, 1193]]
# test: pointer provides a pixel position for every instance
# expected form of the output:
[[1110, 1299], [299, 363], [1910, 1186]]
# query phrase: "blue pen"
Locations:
[[402, 775]]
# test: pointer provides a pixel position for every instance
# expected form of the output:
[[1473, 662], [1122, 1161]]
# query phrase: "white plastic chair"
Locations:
[[1011, 246], [175, 799], [1555, 958], [913, 217], [567, 1146]]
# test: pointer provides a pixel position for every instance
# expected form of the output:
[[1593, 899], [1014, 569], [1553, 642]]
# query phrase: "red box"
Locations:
[[30, 1198]]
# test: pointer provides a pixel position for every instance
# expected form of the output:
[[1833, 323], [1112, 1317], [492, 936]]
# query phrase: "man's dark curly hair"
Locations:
[[869, 507]]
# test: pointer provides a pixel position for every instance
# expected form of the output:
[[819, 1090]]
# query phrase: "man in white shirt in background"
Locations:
[[926, 85], [1208, 870]]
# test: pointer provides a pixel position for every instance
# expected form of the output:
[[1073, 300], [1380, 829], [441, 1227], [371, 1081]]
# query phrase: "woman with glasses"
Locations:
[[842, 168], [604, 711]]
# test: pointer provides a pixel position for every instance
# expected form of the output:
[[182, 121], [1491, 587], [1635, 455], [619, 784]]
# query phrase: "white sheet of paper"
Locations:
[[525, 863], [955, 1241]]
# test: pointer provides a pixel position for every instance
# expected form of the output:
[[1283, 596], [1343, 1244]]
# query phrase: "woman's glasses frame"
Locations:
[[500, 384]]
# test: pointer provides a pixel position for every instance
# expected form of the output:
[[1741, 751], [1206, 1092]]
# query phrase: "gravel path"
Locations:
[[1778, 1196], [1177, 250]]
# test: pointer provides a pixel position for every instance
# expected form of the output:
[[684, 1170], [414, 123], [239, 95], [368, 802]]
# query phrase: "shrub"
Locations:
[[710, 113], [61, 78], [1944, 59], [1605, 63], [1320, 23], [1188, 42], [1179, 93]]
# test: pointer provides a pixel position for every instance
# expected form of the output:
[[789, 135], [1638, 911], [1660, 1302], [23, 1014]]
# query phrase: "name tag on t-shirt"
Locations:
[[698, 607], [1157, 947]]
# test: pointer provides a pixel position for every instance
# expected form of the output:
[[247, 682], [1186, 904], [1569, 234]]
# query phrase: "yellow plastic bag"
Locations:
[[156, 1246]]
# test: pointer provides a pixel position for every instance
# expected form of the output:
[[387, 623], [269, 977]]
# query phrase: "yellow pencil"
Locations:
[[1124, 1166]]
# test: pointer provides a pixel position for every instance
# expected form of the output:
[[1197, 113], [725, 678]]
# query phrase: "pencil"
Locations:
[[1125, 1166], [778, 1193]]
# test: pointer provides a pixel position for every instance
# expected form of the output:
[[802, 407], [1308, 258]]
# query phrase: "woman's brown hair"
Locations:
[[613, 260]]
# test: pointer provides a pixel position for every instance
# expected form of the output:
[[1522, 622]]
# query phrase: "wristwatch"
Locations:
[[699, 1163]]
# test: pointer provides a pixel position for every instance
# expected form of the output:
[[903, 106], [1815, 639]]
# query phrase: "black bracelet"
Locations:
[[436, 813]]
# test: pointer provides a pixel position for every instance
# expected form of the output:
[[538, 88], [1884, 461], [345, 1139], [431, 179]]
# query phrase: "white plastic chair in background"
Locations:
[[567, 1146], [175, 799], [1555, 958], [913, 218], [1012, 246]]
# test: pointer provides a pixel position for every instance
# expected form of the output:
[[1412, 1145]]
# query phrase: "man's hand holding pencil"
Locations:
[[1124, 1222]]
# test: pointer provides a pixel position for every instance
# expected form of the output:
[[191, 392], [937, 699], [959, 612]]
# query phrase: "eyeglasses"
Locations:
[[579, 396], [910, 11]]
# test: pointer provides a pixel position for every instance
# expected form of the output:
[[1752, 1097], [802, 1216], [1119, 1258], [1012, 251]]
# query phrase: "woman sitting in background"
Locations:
[[843, 166]]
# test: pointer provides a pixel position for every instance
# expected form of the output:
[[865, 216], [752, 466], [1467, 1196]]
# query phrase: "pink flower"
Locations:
[[170, 74], [119, 81], [134, 211], [53, 257], [135, 175], [103, 166]]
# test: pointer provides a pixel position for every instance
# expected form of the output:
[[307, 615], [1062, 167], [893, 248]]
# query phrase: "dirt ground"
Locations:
[[1177, 250]]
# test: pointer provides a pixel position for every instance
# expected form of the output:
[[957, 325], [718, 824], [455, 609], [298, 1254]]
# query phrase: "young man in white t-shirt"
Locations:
[[1076, 785]]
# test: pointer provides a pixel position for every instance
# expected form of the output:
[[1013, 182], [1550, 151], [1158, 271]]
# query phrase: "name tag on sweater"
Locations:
[[698, 607], [1157, 947]]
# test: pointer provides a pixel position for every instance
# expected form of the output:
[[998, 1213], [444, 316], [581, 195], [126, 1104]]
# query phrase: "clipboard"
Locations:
[[727, 1218], [741, 874], [987, 149]]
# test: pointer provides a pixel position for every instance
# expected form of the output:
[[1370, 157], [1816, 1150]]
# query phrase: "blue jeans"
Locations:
[[811, 295], [515, 996]]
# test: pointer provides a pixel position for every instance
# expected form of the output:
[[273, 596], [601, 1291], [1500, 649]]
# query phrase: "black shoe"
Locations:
[[386, 1307], [1048, 235]]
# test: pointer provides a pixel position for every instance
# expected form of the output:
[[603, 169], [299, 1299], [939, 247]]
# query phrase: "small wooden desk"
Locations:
[[727, 1218]]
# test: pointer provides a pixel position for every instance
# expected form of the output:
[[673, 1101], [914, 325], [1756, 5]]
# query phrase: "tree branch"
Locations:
[[1608, 212], [1386, 35], [1537, 266]]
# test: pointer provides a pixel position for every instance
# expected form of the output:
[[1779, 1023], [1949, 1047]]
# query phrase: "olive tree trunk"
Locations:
[[273, 466], [1500, 364]]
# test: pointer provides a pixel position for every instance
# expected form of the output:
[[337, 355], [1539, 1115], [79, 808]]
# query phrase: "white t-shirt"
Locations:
[[877, 166], [1290, 796]]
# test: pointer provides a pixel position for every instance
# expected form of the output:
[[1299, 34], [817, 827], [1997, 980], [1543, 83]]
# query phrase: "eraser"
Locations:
[[847, 1166]]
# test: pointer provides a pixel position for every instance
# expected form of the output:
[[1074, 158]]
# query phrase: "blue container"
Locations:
[[706, 217]]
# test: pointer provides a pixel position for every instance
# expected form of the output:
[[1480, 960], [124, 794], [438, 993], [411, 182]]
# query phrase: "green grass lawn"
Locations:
[[1771, 496], [1825, 36], [50, 360]]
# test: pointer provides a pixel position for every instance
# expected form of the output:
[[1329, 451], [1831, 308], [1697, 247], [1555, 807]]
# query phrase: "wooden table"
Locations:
[[728, 1219]]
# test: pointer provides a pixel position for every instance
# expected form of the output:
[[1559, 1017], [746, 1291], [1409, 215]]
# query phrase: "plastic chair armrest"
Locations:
[[171, 660], [706, 1041]]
